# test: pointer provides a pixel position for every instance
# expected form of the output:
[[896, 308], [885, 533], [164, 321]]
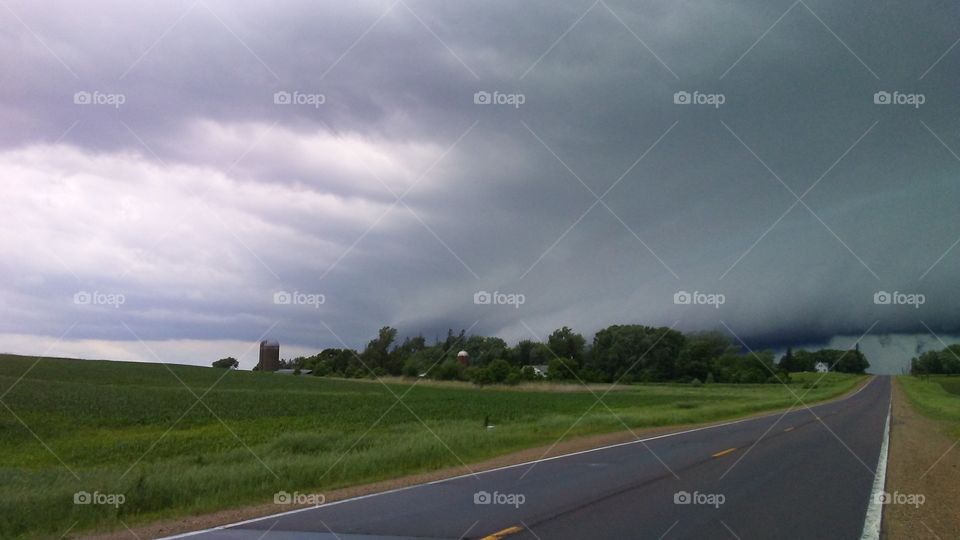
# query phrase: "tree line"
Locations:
[[618, 353], [945, 361]]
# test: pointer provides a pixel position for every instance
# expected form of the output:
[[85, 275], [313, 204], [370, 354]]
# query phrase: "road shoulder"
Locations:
[[916, 445]]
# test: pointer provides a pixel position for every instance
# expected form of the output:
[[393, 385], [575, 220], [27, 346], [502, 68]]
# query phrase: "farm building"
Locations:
[[269, 355], [294, 371], [538, 370]]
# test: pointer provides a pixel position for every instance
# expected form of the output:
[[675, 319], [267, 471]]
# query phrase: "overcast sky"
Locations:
[[171, 169]]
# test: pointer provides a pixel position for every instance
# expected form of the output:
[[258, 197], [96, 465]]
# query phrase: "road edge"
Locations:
[[874, 518]]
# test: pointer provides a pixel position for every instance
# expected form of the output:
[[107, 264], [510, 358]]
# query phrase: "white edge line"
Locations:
[[871, 524], [405, 488]]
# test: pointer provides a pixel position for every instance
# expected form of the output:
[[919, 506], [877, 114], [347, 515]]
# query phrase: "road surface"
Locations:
[[804, 474]]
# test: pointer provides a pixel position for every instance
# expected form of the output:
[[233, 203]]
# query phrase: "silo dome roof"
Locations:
[[463, 353]]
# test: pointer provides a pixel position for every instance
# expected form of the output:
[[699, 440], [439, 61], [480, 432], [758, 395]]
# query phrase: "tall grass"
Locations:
[[137, 430]]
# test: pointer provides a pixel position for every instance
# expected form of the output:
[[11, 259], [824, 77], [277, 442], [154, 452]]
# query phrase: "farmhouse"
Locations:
[[541, 370]]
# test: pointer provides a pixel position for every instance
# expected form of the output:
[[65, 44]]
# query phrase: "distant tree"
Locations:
[[751, 367], [484, 350], [376, 356], [528, 374], [499, 370], [642, 352], [520, 354], [397, 359], [786, 363], [563, 369], [700, 351], [850, 362], [566, 343], [945, 361], [228, 362]]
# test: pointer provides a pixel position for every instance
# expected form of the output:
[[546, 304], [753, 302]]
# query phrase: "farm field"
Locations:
[[140, 430]]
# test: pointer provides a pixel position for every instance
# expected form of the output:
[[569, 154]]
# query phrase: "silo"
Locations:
[[269, 355]]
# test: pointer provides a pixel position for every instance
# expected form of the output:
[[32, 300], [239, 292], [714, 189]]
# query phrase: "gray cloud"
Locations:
[[199, 197]]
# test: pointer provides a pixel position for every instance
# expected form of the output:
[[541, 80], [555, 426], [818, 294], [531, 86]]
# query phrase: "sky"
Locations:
[[182, 179]]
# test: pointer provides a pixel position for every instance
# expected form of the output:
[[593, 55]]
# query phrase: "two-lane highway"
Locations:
[[807, 473]]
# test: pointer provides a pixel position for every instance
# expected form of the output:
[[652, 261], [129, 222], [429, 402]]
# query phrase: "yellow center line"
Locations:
[[789, 428], [503, 534], [724, 452]]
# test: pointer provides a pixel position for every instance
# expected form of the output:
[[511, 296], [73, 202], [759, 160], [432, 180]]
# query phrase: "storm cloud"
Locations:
[[198, 160]]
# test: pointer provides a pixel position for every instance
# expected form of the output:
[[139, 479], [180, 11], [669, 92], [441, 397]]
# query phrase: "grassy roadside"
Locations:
[[937, 397], [923, 460], [134, 429]]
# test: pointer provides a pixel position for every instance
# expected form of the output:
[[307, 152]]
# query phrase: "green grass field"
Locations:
[[936, 396], [135, 429]]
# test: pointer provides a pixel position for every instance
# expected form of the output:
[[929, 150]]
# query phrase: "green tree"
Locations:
[[376, 356], [644, 353], [699, 353], [499, 370], [228, 363], [566, 343]]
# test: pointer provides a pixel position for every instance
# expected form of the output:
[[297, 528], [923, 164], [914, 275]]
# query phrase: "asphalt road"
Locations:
[[804, 474]]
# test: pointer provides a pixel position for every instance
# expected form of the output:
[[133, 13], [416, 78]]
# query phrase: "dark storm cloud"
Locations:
[[199, 197]]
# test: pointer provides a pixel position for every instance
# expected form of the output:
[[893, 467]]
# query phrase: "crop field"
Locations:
[[182, 440]]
